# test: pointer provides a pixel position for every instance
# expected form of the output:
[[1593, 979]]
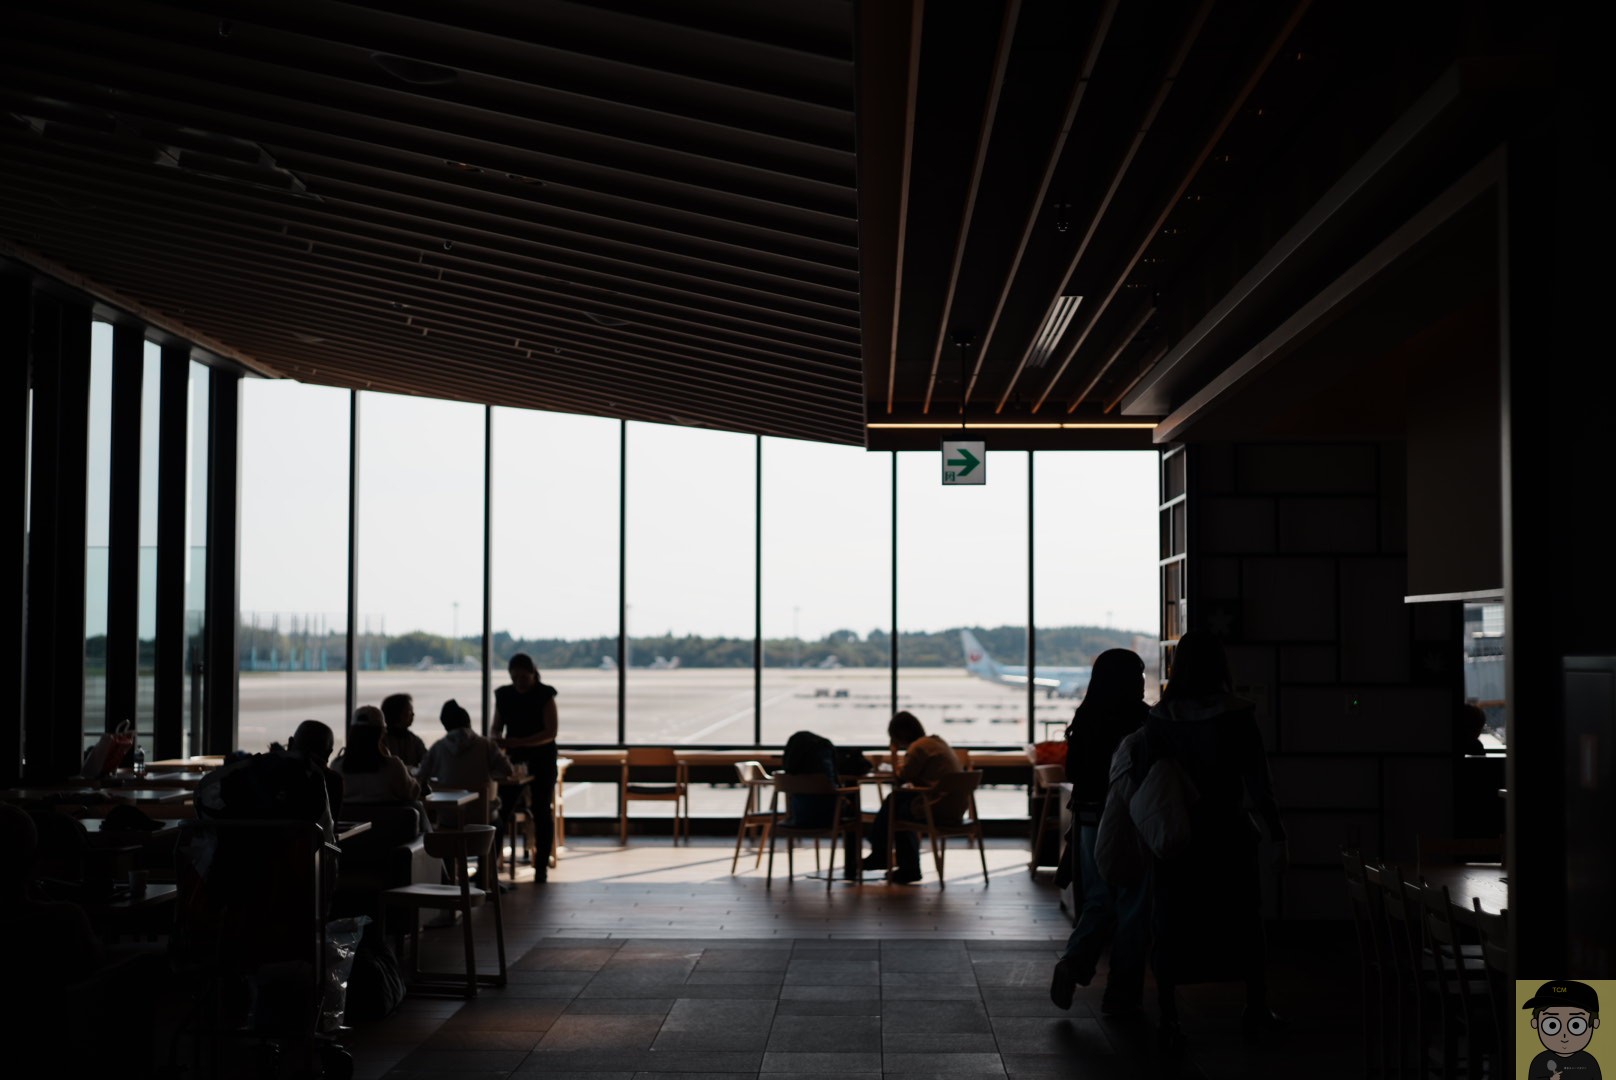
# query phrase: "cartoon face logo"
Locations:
[[975, 656], [1565, 1015], [1565, 1030]]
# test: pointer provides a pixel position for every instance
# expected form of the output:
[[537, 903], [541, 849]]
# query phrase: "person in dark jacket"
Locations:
[[1112, 708], [526, 725], [1207, 915], [398, 712]]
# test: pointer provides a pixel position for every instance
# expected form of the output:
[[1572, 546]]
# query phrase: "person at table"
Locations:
[[372, 776], [316, 742], [464, 759], [398, 713], [1207, 904], [526, 724], [927, 759], [1112, 708]]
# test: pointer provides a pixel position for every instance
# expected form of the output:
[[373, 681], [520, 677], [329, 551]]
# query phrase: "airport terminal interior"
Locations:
[[745, 370]]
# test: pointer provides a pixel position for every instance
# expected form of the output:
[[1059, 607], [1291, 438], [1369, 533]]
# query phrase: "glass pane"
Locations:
[[555, 562], [1096, 574], [1485, 650], [691, 569], [294, 559], [962, 600], [421, 553], [196, 554], [827, 587], [146, 617], [98, 506]]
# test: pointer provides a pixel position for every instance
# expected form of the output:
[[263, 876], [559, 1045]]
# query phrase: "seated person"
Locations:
[[927, 758], [315, 741], [398, 711], [368, 714], [48, 945], [807, 754], [463, 758], [370, 775]]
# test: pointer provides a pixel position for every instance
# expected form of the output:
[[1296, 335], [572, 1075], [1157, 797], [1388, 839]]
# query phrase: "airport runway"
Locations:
[[685, 706]]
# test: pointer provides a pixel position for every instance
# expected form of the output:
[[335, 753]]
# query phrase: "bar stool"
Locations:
[[458, 846]]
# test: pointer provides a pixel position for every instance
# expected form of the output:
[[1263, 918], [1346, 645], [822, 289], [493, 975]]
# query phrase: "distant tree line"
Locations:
[[1060, 646]]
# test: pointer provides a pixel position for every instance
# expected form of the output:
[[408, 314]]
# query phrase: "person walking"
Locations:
[[1207, 920], [1112, 708], [525, 725]]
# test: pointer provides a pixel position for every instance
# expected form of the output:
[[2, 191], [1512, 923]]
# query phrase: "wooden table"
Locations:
[[161, 779], [150, 794], [446, 804], [201, 763], [1481, 880]]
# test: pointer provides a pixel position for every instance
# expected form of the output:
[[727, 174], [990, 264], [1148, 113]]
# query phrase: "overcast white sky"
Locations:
[[826, 527]]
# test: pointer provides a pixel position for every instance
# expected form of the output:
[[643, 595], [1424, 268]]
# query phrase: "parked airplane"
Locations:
[[661, 663], [1072, 682]]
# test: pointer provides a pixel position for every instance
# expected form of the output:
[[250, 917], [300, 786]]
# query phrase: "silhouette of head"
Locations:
[[1117, 679], [364, 752], [453, 715], [524, 672], [314, 741], [904, 729], [398, 711], [1200, 668], [368, 714]]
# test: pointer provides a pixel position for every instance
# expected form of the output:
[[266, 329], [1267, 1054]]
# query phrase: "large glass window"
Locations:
[[97, 531], [962, 599], [196, 551], [691, 573], [555, 548], [1095, 578], [294, 558], [151, 407], [421, 553], [827, 585]]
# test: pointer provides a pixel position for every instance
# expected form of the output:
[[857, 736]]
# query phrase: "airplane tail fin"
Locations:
[[977, 660]]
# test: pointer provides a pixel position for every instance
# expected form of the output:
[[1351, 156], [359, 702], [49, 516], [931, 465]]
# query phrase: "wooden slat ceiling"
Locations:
[[793, 217], [633, 209]]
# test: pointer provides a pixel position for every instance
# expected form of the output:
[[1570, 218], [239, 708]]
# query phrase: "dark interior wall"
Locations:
[[1298, 559]]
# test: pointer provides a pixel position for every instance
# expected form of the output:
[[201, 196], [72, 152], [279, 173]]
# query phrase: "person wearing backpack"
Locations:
[[1207, 921], [1113, 708]]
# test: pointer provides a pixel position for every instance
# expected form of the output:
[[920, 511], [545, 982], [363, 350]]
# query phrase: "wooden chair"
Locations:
[[754, 778], [964, 783], [559, 809], [1411, 974], [664, 762], [1369, 923], [1494, 932], [1447, 851], [808, 784], [1046, 792], [1461, 986], [457, 846]]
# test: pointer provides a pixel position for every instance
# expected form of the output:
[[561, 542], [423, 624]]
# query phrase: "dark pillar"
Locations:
[[173, 461], [123, 545], [54, 710], [16, 323], [488, 567], [352, 692], [221, 621]]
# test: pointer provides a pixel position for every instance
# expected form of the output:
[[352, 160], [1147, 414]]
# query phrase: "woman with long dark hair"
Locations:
[[370, 774], [526, 724], [1208, 902], [1112, 708]]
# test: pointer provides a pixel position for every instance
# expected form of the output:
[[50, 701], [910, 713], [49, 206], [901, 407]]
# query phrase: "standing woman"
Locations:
[[525, 724], [1113, 708], [1208, 902]]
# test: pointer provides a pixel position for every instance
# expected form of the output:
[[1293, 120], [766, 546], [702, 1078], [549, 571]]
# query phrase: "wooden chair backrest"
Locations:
[[1048, 777], [651, 755], [750, 772], [804, 784], [960, 783]]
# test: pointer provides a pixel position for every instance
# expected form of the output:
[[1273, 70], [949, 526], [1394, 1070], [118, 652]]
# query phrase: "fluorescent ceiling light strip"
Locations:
[[968, 426], [1049, 334]]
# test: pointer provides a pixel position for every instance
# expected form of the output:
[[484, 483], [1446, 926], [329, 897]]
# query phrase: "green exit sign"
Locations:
[[964, 463]]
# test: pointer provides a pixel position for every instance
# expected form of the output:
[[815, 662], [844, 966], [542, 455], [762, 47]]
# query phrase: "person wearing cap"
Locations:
[[1564, 1014]]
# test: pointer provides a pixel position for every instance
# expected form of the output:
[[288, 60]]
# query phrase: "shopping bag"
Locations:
[[109, 752]]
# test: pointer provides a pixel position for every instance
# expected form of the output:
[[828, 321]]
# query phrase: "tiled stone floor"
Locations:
[[652, 962]]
